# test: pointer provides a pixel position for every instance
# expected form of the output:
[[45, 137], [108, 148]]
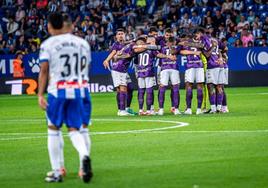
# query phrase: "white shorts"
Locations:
[[147, 82], [195, 74], [215, 76], [169, 74], [226, 77], [119, 78]]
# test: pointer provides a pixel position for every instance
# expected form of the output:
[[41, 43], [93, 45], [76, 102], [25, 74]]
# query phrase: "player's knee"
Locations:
[[200, 86], [188, 87], [53, 127], [84, 126], [123, 88], [210, 89], [72, 129], [219, 89]]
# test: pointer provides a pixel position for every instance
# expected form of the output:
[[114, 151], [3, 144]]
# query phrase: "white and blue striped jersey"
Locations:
[[68, 57]]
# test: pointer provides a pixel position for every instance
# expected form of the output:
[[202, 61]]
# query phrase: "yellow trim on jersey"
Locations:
[[205, 89]]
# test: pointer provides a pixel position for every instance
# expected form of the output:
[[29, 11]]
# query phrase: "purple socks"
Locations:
[[199, 97], [129, 94], [118, 99], [122, 98], [175, 96], [141, 93], [161, 96], [149, 97], [189, 96]]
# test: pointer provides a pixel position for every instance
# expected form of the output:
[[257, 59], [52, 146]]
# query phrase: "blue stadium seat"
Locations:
[[249, 2], [216, 8], [204, 10], [262, 8], [251, 7], [263, 15], [194, 9], [184, 10]]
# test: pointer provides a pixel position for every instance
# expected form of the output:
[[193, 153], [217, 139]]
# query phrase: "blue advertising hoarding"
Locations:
[[240, 59]]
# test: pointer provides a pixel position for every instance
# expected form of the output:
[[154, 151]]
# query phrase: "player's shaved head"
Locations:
[[67, 18], [67, 23]]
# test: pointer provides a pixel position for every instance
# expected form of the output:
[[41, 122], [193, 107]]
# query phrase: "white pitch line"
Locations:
[[178, 124], [160, 130], [142, 131], [146, 132]]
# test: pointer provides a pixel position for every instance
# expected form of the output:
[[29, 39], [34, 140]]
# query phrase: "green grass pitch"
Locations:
[[213, 151]]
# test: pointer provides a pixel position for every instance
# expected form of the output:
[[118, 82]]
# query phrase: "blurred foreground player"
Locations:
[[63, 58], [68, 28]]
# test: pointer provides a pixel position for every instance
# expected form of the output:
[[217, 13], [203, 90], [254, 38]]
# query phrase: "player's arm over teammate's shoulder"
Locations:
[[189, 52]]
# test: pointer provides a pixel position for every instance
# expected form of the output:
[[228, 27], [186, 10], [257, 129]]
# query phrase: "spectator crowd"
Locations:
[[241, 23]]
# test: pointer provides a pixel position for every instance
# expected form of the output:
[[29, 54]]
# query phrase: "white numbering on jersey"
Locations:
[[167, 51], [68, 70], [143, 59], [216, 49], [195, 50]]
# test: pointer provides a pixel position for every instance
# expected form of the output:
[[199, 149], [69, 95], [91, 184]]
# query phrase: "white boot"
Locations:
[[188, 111], [161, 112]]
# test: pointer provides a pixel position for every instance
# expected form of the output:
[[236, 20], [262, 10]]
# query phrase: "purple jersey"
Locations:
[[117, 46], [166, 63], [213, 59], [160, 40], [206, 41], [121, 65], [222, 47], [193, 61], [145, 67], [225, 59]]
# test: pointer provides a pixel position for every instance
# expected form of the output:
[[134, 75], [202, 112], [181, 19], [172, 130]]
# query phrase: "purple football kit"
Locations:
[[169, 72]]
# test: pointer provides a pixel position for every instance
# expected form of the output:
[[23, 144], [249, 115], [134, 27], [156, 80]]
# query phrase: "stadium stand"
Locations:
[[241, 23]]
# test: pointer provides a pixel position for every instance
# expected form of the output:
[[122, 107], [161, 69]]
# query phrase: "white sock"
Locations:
[[79, 144], [61, 150], [213, 108], [53, 143], [84, 132], [218, 107]]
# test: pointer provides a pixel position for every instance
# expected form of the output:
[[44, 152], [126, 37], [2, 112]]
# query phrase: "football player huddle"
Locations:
[[155, 59]]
